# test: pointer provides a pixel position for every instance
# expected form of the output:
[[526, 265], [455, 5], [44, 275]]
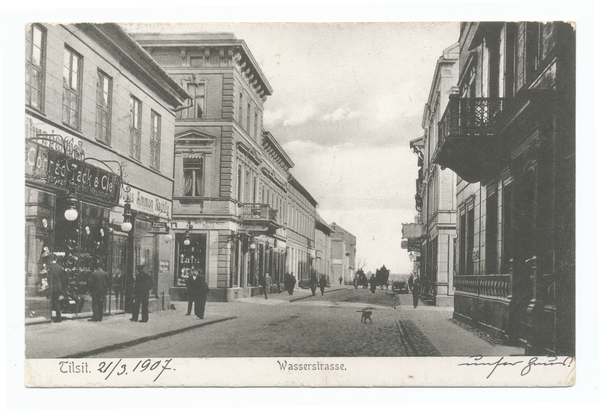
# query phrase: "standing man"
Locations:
[[141, 288], [267, 284], [56, 282], [415, 286], [373, 282], [98, 284], [340, 280], [193, 289], [322, 284], [313, 283], [201, 301]]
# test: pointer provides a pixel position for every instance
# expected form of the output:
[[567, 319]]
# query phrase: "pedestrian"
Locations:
[[141, 288], [201, 301], [415, 287], [193, 289], [322, 284], [373, 283], [98, 283], [313, 283], [290, 282], [340, 280], [355, 281], [267, 281], [56, 284]]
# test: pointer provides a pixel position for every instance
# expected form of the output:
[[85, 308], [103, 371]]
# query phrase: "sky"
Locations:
[[347, 99]]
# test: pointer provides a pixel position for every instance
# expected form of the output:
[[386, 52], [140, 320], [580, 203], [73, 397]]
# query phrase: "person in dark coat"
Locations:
[[267, 281], [373, 283], [415, 287], [56, 284], [313, 284], [290, 282], [193, 289], [202, 294], [322, 284], [340, 280], [98, 283], [141, 288]]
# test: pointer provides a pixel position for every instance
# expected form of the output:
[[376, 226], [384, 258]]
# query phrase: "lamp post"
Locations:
[[128, 226]]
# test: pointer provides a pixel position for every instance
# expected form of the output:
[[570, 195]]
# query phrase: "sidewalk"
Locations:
[[79, 338]]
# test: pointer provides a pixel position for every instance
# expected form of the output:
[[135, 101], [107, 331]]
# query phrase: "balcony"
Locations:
[[468, 142], [259, 218], [493, 285]]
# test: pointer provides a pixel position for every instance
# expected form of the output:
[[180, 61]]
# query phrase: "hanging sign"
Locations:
[[159, 227]]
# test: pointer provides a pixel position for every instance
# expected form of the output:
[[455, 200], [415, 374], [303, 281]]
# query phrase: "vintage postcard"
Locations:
[[300, 204]]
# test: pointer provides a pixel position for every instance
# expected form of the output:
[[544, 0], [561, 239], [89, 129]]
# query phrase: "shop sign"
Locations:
[[159, 228], [146, 203], [412, 230], [59, 170], [72, 146]]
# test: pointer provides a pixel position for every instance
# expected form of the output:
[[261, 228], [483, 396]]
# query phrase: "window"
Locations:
[[71, 88], [155, 120], [193, 177], [491, 234], [240, 105], [239, 183], [507, 204], [135, 127], [197, 91], [470, 240], [34, 75], [248, 118], [103, 107], [256, 125]]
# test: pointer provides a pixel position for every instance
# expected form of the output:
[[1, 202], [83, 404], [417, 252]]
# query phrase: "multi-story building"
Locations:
[[322, 263], [343, 254], [99, 127], [436, 189], [511, 129], [238, 212], [301, 212]]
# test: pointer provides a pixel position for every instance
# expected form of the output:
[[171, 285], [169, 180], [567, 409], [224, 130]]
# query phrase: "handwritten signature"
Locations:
[[478, 360]]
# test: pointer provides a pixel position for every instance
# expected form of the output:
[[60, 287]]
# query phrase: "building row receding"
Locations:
[[157, 141], [495, 193]]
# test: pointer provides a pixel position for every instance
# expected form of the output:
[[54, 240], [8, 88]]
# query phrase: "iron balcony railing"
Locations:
[[493, 285], [258, 212], [469, 117]]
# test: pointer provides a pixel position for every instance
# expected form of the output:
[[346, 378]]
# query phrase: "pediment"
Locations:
[[194, 137]]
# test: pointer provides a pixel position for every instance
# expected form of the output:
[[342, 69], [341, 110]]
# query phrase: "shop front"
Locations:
[[67, 210]]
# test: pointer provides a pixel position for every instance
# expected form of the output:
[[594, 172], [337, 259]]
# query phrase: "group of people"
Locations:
[[322, 283]]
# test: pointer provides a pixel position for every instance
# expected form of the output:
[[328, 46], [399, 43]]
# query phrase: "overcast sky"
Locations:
[[347, 98]]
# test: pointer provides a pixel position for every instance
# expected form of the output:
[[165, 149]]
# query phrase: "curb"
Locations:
[[142, 340], [69, 317]]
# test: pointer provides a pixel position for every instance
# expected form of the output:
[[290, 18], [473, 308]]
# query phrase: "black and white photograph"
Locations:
[[386, 203]]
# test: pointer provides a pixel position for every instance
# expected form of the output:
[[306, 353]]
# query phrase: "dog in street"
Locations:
[[366, 315]]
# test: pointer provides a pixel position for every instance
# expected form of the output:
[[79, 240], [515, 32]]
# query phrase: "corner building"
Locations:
[[509, 134], [237, 211], [99, 127]]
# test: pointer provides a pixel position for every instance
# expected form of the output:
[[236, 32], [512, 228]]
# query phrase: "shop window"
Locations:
[[35, 69], [193, 177], [103, 107], [71, 102], [155, 123], [135, 127], [189, 257]]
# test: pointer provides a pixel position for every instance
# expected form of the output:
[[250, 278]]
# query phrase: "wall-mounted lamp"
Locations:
[[252, 246], [190, 226], [126, 225], [71, 213]]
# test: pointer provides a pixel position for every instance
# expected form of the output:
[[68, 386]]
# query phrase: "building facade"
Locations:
[[343, 254], [322, 265], [238, 213], [99, 127], [511, 129], [436, 189]]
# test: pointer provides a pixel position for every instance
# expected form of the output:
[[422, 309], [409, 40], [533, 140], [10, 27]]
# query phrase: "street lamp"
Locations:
[[126, 225], [187, 241]]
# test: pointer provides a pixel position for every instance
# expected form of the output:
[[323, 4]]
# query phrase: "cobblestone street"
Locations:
[[328, 326]]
